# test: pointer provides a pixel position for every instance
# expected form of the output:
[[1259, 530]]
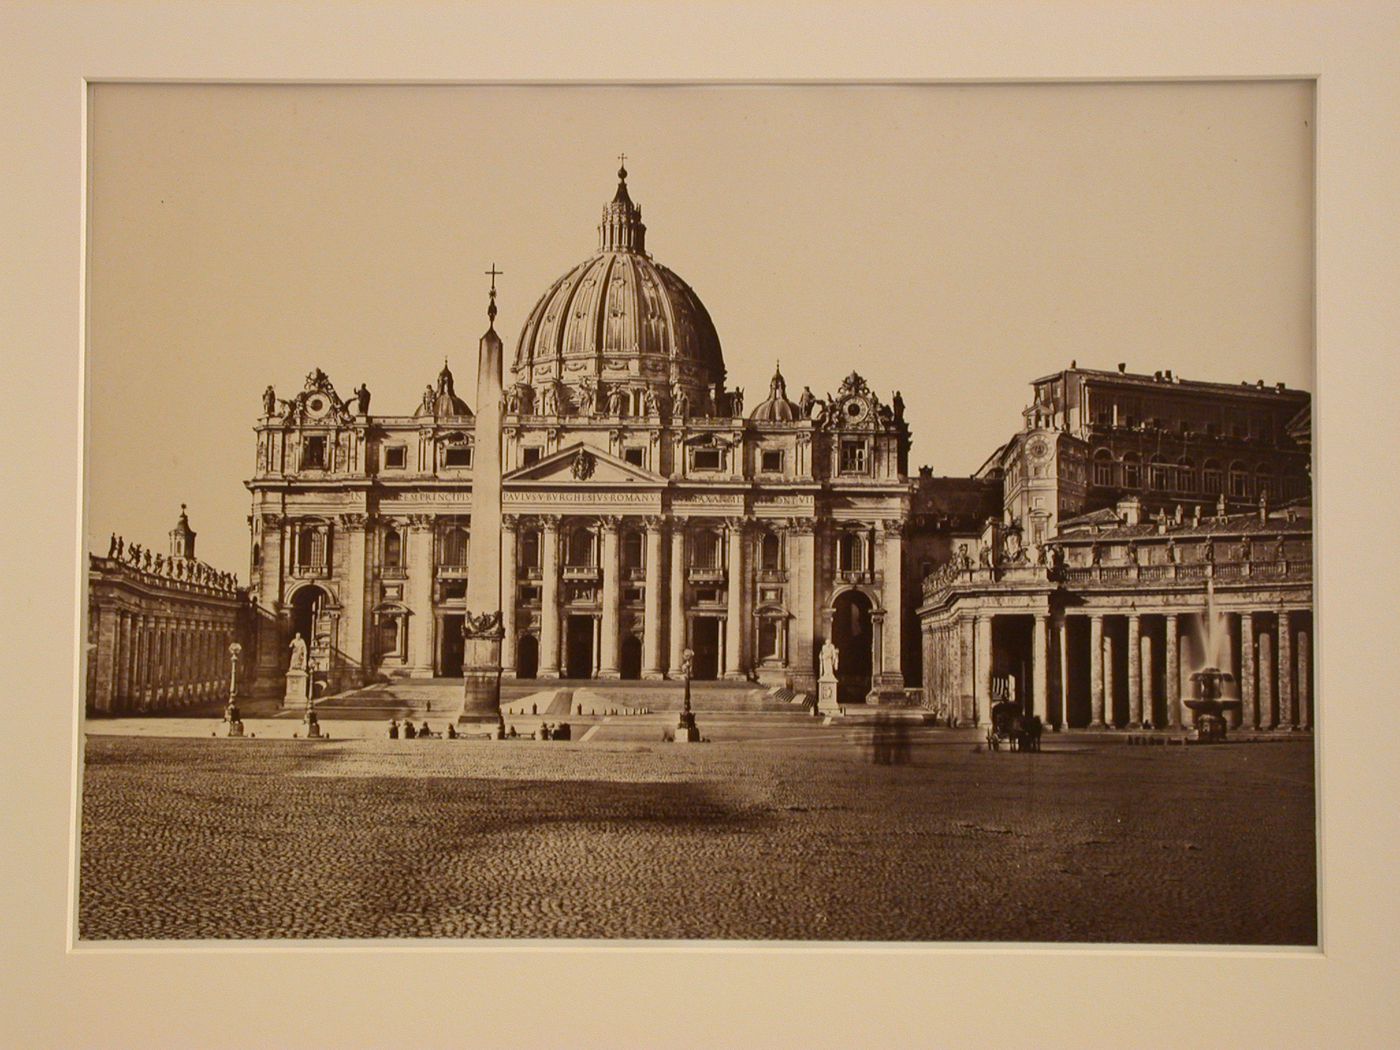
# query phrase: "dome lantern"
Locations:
[[621, 229]]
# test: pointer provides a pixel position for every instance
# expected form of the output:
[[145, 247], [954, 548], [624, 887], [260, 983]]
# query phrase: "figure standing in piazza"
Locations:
[[298, 648], [830, 659]]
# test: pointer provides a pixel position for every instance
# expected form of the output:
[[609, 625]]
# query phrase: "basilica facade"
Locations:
[[645, 509]]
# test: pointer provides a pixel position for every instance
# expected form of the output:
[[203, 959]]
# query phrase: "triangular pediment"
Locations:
[[582, 464]]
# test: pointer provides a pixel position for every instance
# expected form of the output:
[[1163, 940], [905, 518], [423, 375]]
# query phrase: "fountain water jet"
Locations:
[[1209, 682]]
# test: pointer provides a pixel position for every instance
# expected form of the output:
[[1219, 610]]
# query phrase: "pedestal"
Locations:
[[687, 732], [826, 696], [297, 685], [481, 672]]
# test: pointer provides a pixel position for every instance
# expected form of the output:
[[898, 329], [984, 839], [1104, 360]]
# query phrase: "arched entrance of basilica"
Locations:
[[853, 636], [308, 605]]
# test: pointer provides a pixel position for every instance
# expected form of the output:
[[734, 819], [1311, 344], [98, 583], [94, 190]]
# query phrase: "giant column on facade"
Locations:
[[651, 627]]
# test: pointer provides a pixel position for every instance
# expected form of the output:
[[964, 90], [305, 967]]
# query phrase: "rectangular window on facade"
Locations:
[[854, 459], [530, 455], [453, 589], [771, 461], [633, 456], [705, 459], [632, 594], [529, 594], [457, 456], [706, 594], [771, 594], [395, 457], [313, 453]]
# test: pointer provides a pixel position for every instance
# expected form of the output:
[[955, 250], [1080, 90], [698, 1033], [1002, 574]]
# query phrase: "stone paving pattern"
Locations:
[[791, 835]]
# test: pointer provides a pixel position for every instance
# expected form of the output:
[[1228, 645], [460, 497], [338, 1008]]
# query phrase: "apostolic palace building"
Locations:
[[1134, 528]]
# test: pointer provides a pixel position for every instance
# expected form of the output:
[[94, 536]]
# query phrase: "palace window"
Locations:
[[1159, 475], [1132, 472], [455, 542], [770, 550], [1211, 478], [850, 552], [530, 593], [530, 455], [1264, 480], [395, 457], [705, 459], [633, 550], [393, 550], [771, 461], [632, 594], [707, 594], [706, 550], [1186, 474], [854, 456], [634, 455], [1239, 481], [452, 590], [313, 453], [1103, 467], [457, 455]]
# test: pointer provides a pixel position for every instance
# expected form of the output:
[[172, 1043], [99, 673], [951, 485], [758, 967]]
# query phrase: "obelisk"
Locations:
[[481, 663]]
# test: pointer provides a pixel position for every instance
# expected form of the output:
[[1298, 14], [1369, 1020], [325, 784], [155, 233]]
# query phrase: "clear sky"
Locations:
[[953, 242]]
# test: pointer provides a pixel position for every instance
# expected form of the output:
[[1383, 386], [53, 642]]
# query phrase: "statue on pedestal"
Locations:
[[298, 648], [830, 658]]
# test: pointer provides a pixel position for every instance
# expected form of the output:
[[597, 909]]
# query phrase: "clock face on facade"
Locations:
[[1038, 449], [317, 405], [855, 411]]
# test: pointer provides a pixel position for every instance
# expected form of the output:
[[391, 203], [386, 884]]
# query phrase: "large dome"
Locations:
[[619, 319]]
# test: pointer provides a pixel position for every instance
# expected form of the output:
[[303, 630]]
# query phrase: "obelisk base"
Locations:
[[481, 671]]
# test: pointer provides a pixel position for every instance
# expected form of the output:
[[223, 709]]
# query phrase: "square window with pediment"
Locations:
[[706, 459]]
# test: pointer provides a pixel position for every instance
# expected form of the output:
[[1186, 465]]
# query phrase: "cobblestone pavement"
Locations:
[[797, 837]]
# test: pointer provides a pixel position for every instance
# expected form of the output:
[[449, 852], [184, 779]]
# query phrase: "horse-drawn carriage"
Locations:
[[1012, 726]]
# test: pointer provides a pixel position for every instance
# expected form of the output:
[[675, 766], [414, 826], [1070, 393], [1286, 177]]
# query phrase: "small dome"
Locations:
[[777, 409], [619, 316], [442, 400]]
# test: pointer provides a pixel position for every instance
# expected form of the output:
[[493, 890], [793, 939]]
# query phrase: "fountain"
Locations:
[[1208, 683]]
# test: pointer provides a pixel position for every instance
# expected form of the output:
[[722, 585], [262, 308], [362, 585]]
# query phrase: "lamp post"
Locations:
[[234, 651], [687, 732]]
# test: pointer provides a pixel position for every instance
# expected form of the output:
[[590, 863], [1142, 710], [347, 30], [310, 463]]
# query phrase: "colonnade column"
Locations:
[[1108, 682], [676, 620], [1249, 713], [1040, 677], [510, 538], [1304, 693], [1266, 683], [1134, 671], [983, 645], [734, 622], [609, 662], [1096, 651], [1061, 635], [1285, 672], [549, 597], [1173, 671], [124, 661], [651, 629], [967, 671]]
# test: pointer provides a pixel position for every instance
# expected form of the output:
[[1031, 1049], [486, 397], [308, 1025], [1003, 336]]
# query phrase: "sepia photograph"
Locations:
[[781, 513]]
